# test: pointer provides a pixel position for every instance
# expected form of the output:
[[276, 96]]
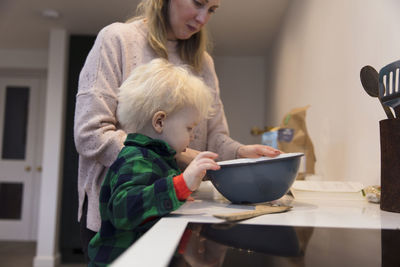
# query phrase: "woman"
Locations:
[[171, 29]]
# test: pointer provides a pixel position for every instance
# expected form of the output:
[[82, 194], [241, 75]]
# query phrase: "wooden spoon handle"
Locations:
[[387, 110], [237, 216], [397, 111]]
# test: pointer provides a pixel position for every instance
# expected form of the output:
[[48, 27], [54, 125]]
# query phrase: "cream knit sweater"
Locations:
[[118, 49]]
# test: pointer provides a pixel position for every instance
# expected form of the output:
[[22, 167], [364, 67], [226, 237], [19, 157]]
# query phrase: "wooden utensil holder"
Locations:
[[390, 240], [390, 164]]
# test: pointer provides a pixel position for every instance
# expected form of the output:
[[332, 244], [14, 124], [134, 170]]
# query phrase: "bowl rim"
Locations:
[[248, 161]]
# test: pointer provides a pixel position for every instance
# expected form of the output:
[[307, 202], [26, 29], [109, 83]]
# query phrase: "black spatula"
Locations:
[[370, 81]]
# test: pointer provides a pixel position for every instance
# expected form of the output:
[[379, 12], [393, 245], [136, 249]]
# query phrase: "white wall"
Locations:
[[318, 56], [242, 85], [23, 59]]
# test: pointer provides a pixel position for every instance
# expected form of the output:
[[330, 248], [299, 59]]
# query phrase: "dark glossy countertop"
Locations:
[[216, 244]]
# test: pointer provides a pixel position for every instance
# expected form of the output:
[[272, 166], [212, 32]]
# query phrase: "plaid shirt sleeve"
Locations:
[[140, 190]]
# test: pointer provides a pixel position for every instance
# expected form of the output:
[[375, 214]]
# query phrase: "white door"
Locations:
[[21, 118]]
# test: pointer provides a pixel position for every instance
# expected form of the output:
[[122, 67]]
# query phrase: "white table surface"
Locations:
[[156, 247]]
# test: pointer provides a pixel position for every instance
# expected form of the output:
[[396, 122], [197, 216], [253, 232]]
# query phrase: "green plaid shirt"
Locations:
[[137, 190]]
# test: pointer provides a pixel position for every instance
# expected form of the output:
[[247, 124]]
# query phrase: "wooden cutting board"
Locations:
[[259, 210]]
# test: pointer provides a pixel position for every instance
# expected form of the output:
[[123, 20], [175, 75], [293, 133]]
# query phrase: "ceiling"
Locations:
[[239, 27]]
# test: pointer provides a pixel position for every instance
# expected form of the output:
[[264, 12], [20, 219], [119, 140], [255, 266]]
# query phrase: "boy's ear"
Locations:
[[158, 121]]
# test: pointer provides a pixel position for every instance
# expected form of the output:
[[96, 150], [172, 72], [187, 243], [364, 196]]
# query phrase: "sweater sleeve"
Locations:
[[138, 194], [218, 138], [96, 132], [181, 189]]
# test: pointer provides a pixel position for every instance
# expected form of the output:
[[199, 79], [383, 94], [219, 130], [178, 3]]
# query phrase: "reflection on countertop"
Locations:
[[221, 244]]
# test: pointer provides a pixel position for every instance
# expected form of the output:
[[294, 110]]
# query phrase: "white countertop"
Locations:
[[157, 246]]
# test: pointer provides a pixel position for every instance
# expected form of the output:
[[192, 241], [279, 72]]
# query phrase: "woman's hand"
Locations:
[[256, 151], [194, 173]]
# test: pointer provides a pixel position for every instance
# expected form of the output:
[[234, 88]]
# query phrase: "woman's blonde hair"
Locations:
[[160, 86], [156, 14]]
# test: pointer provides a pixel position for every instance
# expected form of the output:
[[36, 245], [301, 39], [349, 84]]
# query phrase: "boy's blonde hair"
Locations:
[[156, 13], [160, 86]]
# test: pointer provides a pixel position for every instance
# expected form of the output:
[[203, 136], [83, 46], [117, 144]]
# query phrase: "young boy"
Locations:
[[159, 105]]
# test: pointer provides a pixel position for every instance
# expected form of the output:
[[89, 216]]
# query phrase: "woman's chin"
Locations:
[[185, 36]]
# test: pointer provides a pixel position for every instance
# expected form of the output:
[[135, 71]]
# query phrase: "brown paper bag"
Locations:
[[293, 137]]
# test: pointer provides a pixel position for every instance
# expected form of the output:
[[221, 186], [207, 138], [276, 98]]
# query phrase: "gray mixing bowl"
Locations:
[[244, 181]]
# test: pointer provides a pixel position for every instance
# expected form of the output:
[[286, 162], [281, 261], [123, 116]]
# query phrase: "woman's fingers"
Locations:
[[254, 151], [268, 151]]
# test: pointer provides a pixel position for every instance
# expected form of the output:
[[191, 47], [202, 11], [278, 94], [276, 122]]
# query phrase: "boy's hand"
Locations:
[[196, 170]]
